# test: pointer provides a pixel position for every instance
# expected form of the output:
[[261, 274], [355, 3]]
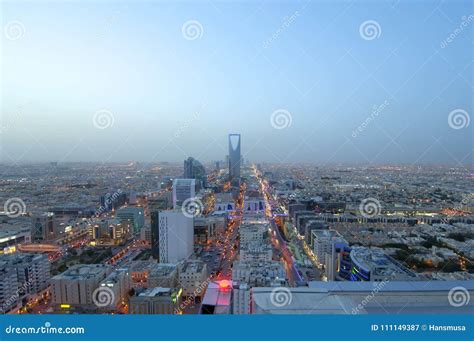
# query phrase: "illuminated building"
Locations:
[[10, 239], [372, 264], [109, 232], [192, 276], [218, 298], [155, 301], [134, 216], [323, 242]]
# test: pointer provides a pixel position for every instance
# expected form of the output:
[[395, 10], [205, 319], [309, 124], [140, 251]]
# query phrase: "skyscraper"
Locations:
[[193, 169], [183, 189], [234, 156], [176, 236]]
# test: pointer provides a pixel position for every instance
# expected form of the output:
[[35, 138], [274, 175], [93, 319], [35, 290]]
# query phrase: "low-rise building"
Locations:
[[75, 286], [192, 275], [155, 301]]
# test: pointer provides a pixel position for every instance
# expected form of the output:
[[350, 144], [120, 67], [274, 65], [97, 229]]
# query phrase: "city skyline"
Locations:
[[304, 82]]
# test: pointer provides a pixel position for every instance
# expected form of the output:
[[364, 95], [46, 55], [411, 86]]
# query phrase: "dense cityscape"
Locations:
[[235, 237]]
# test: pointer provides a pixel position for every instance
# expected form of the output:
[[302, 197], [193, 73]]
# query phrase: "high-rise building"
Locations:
[[183, 189], [155, 234], [44, 227], [193, 169], [234, 156], [134, 216], [155, 205], [176, 236]]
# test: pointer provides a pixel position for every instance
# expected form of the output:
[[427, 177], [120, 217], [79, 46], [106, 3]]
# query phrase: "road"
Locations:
[[293, 274]]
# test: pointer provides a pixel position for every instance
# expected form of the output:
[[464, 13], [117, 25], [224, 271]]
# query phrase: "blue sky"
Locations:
[[132, 60]]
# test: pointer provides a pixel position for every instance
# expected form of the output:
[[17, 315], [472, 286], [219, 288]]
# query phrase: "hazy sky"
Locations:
[[364, 81]]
